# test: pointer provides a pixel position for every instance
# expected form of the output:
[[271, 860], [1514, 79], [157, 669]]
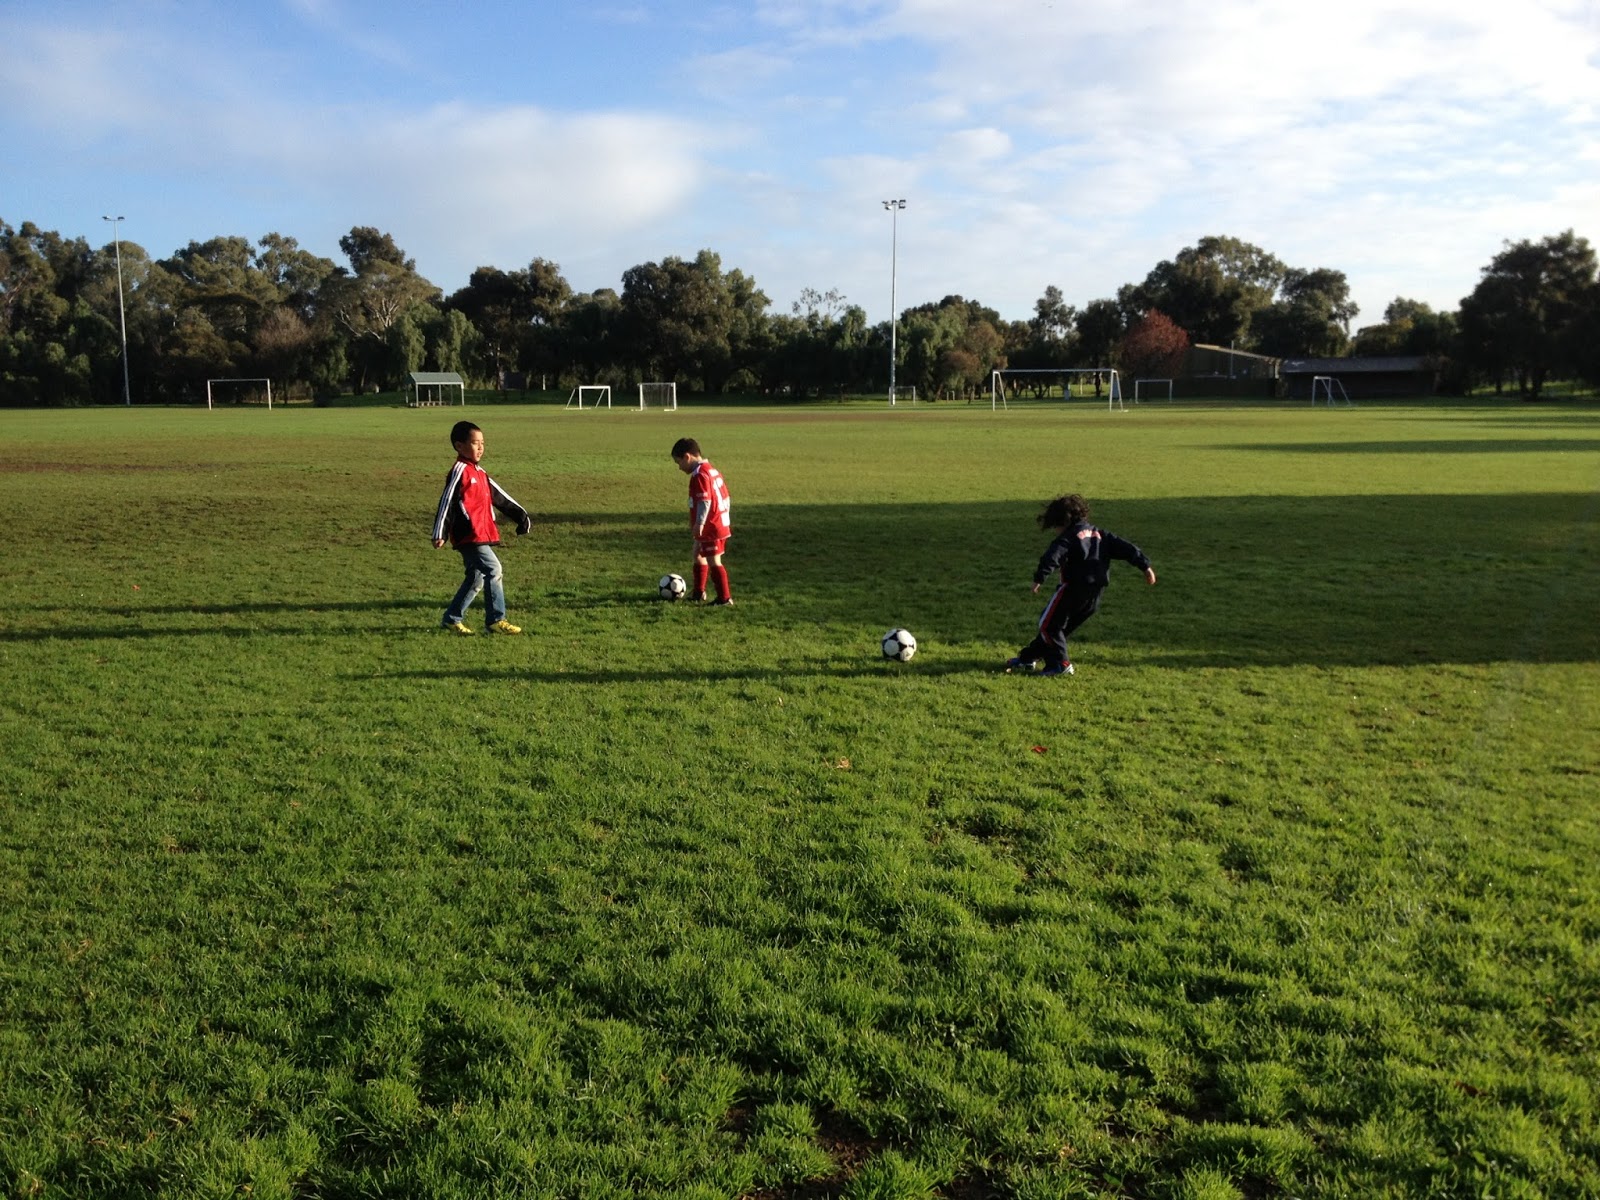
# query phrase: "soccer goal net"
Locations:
[[907, 392], [238, 391], [1330, 389], [1152, 388], [1075, 383], [590, 395], [658, 395]]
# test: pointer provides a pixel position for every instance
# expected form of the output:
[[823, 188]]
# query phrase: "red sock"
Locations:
[[701, 570], [719, 576]]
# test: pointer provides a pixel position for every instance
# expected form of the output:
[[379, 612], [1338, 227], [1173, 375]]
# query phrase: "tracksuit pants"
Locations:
[[1062, 615]]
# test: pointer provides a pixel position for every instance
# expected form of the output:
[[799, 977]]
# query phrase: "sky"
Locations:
[[1036, 143]]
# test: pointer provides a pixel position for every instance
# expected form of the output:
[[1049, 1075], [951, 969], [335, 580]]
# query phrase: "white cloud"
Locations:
[[975, 147], [73, 82], [1038, 141]]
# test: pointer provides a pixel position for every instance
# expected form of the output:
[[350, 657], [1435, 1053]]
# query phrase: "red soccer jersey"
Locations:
[[710, 515]]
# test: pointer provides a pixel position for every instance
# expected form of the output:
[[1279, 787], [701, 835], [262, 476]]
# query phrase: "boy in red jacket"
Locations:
[[466, 516], [710, 522]]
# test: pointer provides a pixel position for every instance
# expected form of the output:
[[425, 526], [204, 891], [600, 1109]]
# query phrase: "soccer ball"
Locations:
[[672, 587], [899, 645]]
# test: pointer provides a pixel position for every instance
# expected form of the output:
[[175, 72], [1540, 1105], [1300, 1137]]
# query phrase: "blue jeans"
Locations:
[[482, 568]]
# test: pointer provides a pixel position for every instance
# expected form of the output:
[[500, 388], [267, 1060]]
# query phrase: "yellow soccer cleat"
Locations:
[[504, 626]]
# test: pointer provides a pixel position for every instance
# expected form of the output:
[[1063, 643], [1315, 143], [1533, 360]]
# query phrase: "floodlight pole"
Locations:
[[894, 207], [122, 312]]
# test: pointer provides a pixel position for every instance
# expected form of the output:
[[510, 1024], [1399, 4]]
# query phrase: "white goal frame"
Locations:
[[658, 395], [997, 391], [1139, 383], [268, 382], [594, 391], [1332, 389], [903, 391]]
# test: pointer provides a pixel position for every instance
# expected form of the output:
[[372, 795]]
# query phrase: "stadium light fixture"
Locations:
[[122, 314], [894, 207]]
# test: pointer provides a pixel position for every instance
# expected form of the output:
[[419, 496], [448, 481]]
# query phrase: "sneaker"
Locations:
[[697, 597], [504, 626], [456, 627], [1020, 664], [1063, 669], [725, 602]]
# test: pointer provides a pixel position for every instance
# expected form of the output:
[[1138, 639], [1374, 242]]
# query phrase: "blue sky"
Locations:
[[1036, 142]]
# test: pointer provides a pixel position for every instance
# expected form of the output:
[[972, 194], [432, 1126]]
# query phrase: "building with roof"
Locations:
[[1362, 378]]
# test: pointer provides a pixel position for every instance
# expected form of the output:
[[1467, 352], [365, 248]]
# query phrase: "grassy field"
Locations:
[[1294, 890]]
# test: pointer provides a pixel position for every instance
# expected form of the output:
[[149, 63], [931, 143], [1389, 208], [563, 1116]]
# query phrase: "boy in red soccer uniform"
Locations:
[[709, 523], [466, 515], [1083, 554]]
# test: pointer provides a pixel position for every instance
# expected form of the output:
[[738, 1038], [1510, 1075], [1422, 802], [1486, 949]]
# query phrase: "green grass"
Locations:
[[1292, 891]]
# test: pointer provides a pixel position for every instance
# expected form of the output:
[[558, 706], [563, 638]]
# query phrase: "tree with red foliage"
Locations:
[[1153, 348]]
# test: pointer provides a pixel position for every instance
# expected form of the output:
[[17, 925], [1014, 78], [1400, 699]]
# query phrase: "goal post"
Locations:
[[264, 388], [658, 395], [904, 391], [590, 395], [1075, 382], [1154, 386], [1331, 390]]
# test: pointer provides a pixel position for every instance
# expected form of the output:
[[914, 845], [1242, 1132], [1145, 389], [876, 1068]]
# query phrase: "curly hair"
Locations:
[[1064, 511]]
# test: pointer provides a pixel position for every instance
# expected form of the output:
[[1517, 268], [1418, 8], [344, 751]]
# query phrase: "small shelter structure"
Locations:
[[430, 388]]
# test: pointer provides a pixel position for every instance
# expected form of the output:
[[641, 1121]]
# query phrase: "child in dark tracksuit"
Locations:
[[1083, 555]]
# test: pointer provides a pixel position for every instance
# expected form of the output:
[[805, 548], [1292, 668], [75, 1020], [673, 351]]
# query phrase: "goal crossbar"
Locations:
[[997, 389], [209, 382]]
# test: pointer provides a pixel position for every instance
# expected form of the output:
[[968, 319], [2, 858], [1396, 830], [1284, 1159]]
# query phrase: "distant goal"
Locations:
[[1331, 390], [590, 395], [1076, 383], [238, 391], [658, 395], [1154, 389]]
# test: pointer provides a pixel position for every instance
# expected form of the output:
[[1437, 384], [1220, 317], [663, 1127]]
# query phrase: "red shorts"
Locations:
[[709, 547]]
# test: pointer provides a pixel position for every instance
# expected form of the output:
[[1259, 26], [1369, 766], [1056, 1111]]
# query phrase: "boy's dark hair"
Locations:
[[461, 430], [1064, 511], [685, 446]]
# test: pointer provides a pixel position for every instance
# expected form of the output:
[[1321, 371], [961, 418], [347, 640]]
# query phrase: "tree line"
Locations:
[[230, 307]]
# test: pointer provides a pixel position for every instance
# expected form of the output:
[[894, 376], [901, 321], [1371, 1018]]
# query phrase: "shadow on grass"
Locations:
[[258, 607], [1449, 446], [1398, 580], [1244, 580], [922, 668]]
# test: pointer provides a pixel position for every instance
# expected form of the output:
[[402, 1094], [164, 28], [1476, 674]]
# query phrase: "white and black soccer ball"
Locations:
[[899, 645], [672, 587]]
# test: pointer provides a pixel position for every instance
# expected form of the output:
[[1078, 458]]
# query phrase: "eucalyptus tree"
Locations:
[[689, 320], [1311, 316], [1531, 311], [381, 286], [1211, 289]]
